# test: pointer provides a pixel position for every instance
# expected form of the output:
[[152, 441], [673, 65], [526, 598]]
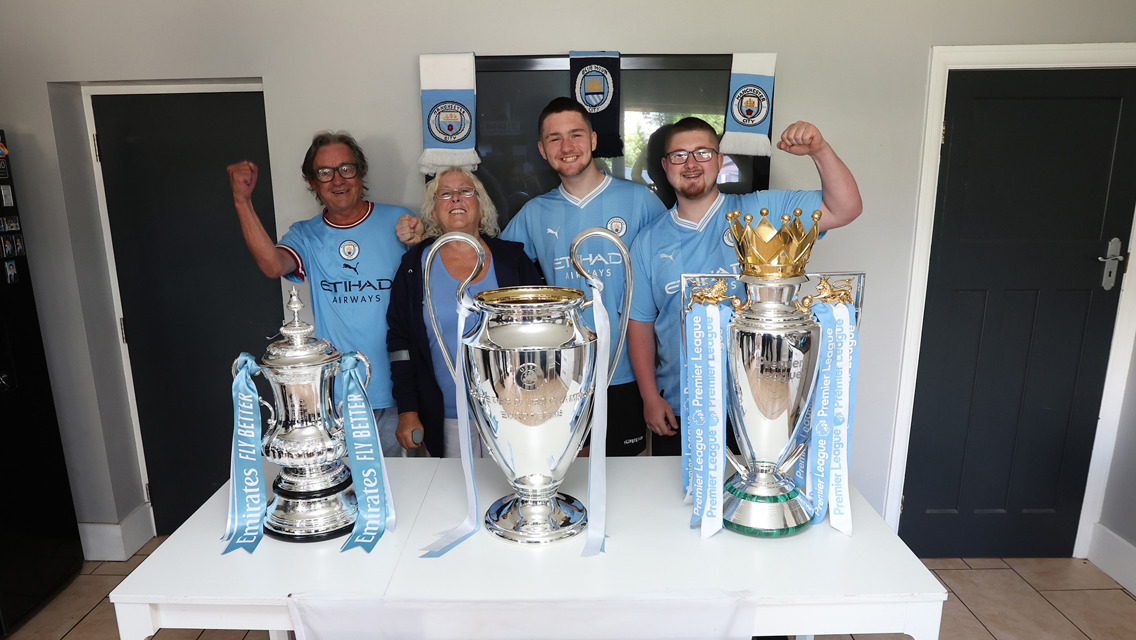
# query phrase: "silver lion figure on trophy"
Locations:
[[529, 367]]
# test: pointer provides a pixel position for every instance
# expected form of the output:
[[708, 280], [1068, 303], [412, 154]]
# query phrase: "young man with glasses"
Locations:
[[694, 237], [348, 253], [587, 198]]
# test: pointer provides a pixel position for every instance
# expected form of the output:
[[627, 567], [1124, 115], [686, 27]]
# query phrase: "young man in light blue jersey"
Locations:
[[694, 238], [348, 253], [546, 225]]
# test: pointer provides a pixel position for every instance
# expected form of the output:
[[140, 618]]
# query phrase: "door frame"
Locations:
[[943, 59], [138, 88]]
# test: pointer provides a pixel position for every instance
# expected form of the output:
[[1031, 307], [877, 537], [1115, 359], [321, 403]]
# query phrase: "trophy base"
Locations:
[[536, 522], [311, 516], [764, 506], [312, 537]]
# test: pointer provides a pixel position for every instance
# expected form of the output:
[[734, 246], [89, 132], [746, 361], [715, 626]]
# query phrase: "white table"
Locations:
[[655, 576]]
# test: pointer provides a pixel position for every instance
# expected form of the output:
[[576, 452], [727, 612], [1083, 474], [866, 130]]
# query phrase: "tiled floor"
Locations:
[[989, 599], [1028, 599]]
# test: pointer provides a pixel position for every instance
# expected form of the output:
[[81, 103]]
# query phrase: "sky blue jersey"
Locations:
[[547, 224], [350, 270], [671, 247]]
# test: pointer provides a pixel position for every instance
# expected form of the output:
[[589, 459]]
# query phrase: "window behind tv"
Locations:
[[655, 90]]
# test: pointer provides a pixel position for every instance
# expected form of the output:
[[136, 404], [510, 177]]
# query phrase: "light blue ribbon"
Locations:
[[716, 425], [597, 454], [368, 468], [703, 424], [468, 527], [247, 496], [847, 354], [815, 427], [694, 414]]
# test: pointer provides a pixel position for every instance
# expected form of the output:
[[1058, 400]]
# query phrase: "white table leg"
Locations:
[[923, 620], [134, 621], [280, 635]]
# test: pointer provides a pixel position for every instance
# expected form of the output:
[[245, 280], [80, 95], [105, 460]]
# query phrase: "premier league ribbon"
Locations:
[[750, 111], [847, 359], [703, 423], [368, 468], [449, 102], [595, 85], [827, 425], [597, 454], [247, 497], [468, 527]]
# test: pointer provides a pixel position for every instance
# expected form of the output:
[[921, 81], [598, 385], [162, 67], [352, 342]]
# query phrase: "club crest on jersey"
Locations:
[[749, 105], [594, 88], [728, 237], [349, 250], [449, 122], [617, 225]]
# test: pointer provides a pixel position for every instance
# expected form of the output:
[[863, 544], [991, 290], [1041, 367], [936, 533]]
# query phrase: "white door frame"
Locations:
[[943, 60], [136, 88]]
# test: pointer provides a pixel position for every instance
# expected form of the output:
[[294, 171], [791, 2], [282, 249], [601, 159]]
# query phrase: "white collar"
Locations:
[[583, 202], [710, 214]]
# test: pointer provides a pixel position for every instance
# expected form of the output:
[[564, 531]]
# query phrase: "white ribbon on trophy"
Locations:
[[452, 538], [597, 455]]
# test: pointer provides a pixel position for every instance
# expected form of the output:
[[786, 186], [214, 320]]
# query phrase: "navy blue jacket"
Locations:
[[414, 385]]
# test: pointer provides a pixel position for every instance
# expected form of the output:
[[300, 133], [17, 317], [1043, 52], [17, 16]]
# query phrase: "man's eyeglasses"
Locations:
[[348, 170], [701, 155], [465, 192]]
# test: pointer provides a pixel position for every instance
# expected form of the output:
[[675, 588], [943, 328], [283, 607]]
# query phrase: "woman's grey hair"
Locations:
[[488, 224]]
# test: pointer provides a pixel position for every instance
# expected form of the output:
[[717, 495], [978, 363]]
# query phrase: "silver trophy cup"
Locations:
[[771, 358], [529, 366], [314, 497]]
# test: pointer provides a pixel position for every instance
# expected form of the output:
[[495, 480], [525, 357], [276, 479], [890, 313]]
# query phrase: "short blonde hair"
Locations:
[[488, 224]]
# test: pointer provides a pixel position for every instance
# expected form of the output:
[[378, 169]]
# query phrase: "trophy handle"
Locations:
[[366, 367], [627, 278], [477, 249], [271, 411]]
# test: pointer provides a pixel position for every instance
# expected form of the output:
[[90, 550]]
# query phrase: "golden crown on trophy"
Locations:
[[769, 253]]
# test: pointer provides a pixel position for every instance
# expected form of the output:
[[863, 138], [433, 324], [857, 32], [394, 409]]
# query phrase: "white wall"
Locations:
[[856, 68]]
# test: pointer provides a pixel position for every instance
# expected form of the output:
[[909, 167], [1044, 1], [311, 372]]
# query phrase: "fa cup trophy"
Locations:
[[314, 496], [529, 367], [771, 361]]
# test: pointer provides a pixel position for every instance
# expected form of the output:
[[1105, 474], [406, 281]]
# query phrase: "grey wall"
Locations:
[[856, 68]]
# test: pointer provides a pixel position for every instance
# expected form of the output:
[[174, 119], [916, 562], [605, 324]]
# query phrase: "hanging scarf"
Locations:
[[449, 103], [595, 85], [750, 111]]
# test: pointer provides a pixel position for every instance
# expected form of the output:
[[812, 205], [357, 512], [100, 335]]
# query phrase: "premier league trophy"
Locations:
[[314, 496], [771, 361], [529, 367]]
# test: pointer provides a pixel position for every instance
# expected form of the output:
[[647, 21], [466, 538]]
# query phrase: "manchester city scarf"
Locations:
[[449, 102], [595, 85], [750, 111]]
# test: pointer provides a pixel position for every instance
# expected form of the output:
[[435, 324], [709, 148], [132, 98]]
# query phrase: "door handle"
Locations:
[[1111, 260]]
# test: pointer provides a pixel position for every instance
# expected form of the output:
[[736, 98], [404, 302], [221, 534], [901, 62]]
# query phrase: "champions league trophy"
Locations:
[[529, 367], [314, 496], [771, 361]]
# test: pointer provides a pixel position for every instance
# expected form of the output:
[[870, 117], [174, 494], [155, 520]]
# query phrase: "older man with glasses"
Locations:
[[348, 253], [694, 238]]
